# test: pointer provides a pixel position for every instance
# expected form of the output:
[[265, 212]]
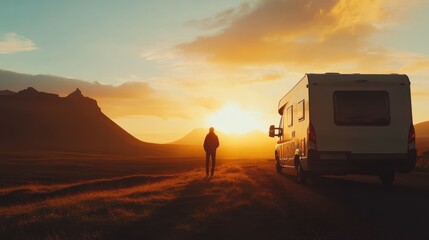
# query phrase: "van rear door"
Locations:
[[361, 117]]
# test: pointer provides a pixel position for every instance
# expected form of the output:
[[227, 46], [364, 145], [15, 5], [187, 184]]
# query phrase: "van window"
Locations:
[[361, 108], [290, 116], [301, 110]]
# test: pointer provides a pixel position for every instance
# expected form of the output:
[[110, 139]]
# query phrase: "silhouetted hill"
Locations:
[[6, 92], [422, 135], [251, 144], [422, 129], [194, 137], [33, 120]]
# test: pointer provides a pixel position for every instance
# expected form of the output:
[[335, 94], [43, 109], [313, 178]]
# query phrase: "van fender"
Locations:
[[277, 158], [278, 165]]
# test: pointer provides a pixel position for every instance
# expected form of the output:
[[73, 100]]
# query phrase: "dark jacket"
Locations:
[[211, 143]]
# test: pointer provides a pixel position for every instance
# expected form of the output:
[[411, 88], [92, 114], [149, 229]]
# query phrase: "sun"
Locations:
[[233, 119]]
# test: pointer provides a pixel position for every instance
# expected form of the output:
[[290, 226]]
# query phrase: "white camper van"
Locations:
[[346, 124]]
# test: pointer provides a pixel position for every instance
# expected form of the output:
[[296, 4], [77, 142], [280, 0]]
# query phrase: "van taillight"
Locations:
[[311, 137], [411, 135]]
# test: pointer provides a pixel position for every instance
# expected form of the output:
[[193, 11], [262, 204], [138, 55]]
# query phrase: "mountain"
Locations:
[[422, 136], [422, 129], [6, 92], [33, 120], [194, 137], [251, 144]]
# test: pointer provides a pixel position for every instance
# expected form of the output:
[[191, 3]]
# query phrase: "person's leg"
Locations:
[[213, 162], [207, 163]]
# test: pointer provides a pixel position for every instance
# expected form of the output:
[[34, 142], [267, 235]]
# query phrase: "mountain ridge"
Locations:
[[33, 120], [38, 120], [422, 136]]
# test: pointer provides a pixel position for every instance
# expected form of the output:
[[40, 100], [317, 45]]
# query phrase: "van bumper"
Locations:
[[351, 163]]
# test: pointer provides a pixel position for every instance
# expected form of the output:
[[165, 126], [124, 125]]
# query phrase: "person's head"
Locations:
[[211, 130]]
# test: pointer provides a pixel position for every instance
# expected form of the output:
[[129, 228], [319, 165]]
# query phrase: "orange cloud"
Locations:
[[314, 34], [421, 65], [209, 103], [269, 77]]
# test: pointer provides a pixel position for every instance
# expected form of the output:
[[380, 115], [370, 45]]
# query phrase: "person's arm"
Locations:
[[217, 142], [205, 144]]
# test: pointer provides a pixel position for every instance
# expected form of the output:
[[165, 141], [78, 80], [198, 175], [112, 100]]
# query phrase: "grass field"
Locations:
[[72, 196], [85, 197]]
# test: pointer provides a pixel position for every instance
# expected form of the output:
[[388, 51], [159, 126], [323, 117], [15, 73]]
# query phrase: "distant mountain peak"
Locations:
[[33, 120], [76, 94], [6, 92], [29, 90], [78, 97], [32, 92]]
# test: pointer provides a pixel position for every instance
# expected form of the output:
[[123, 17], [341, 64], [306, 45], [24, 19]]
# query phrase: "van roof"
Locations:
[[330, 78], [336, 77]]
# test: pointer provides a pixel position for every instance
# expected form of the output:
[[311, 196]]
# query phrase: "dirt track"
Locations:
[[246, 199]]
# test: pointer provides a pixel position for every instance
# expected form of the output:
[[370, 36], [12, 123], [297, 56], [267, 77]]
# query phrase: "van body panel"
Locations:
[[361, 121], [295, 119]]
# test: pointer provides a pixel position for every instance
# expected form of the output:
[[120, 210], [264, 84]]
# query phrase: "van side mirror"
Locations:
[[272, 131]]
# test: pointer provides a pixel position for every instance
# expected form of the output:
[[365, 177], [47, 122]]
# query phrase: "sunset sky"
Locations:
[[162, 68]]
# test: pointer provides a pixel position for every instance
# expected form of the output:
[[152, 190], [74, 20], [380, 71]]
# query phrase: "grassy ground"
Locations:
[[422, 164], [69, 198]]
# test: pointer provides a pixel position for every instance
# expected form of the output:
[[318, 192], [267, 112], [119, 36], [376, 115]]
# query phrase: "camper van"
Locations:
[[332, 124]]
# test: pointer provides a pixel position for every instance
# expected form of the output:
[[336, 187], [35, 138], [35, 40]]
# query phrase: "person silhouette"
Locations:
[[211, 143]]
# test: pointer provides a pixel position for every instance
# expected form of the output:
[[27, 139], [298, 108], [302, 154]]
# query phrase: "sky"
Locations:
[[162, 68]]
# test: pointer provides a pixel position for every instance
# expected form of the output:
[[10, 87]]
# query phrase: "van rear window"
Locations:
[[361, 108]]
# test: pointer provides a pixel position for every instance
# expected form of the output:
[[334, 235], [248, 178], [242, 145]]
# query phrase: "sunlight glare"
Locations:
[[233, 119]]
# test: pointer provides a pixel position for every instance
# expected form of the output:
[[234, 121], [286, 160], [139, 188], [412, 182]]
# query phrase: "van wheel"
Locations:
[[387, 178], [278, 166], [300, 174]]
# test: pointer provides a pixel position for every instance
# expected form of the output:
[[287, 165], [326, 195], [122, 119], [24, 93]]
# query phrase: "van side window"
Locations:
[[290, 116], [301, 110], [361, 108]]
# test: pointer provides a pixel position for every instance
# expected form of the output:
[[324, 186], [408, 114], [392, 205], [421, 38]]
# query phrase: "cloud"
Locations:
[[158, 54], [221, 19], [417, 64], [210, 103], [12, 43], [127, 99], [268, 77], [300, 34]]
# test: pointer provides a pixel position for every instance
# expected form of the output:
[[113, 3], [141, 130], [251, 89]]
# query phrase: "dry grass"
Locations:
[[102, 197], [137, 206], [422, 163]]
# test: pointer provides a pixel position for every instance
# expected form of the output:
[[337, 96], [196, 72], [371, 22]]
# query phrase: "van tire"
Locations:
[[278, 166], [387, 178]]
